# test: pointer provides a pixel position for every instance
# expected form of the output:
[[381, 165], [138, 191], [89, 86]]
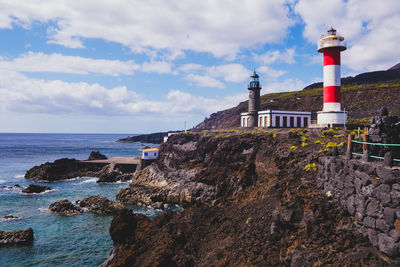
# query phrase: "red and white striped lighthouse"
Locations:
[[331, 45]]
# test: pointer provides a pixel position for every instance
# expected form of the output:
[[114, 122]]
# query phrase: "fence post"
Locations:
[[349, 152], [365, 156]]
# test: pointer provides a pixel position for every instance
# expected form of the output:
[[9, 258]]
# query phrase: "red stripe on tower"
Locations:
[[332, 57], [331, 94]]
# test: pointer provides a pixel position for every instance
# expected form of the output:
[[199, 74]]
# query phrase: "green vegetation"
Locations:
[[310, 167]]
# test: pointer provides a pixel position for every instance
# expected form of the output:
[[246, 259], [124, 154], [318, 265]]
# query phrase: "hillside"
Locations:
[[362, 97]]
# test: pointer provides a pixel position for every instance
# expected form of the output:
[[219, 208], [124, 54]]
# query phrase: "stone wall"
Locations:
[[370, 193]]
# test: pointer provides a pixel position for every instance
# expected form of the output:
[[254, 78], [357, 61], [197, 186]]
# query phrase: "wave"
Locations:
[[91, 180], [19, 176], [44, 192], [44, 209], [10, 217], [2, 181]]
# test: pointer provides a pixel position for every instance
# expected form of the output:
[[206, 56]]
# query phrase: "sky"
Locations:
[[120, 66]]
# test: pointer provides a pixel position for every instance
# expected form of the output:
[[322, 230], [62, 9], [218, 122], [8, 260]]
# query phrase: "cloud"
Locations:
[[269, 57], [203, 80], [21, 94], [221, 28], [270, 72], [40, 62], [286, 85], [208, 76], [371, 29]]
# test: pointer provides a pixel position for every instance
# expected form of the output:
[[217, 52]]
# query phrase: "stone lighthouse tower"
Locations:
[[331, 45], [254, 100]]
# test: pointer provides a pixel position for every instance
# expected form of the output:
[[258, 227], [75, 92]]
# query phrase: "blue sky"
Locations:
[[145, 66]]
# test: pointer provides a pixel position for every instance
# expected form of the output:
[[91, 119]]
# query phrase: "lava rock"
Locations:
[[387, 245], [35, 189], [65, 207], [22, 237], [100, 205], [95, 155], [62, 169]]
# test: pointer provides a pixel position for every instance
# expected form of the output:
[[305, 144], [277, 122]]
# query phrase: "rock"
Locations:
[[382, 192], [372, 237], [393, 234], [385, 174], [62, 169], [10, 218], [369, 222], [350, 205], [382, 225], [33, 188], [367, 190], [22, 237], [100, 205], [389, 215], [95, 155], [111, 174], [387, 245], [303, 258], [123, 226], [395, 195], [65, 207], [373, 208]]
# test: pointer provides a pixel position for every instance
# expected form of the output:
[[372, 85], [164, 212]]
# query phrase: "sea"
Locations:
[[81, 240]]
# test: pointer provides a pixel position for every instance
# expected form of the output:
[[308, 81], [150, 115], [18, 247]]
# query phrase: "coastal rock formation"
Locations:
[[35, 189], [100, 205], [266, 208], [65, 207], [111, 174], [10, 218], [22, 237], [62, 169], [154, 138], [96, 155]]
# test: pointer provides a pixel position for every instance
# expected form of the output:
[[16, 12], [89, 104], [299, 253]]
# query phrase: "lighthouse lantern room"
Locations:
[[332, 115]]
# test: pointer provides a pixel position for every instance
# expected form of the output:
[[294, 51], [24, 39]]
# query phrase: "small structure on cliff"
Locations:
[[270, 118], [150, 153]]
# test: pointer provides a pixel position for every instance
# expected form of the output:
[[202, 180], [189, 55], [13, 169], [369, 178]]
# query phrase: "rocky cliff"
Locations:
[[259, 204]]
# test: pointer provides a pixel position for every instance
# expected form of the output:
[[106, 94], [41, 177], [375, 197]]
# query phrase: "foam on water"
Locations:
[[90, 180], [19, 176]]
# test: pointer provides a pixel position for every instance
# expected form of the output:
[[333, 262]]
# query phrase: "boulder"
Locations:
[[95, 155], [387, 245], [35, 189], [22, 237], [100, 205], [65, 207], [111, 174], [62, 169], [10, 218]]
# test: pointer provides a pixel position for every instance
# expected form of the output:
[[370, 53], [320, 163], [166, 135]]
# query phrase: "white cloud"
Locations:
[[371, 29], [270, 72], [286, 85], [272, 56], [21, 94], [40, 62], [221, 28], [203, 80]]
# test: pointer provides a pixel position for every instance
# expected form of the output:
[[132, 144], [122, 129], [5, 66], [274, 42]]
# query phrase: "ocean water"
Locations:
[[81, 240]]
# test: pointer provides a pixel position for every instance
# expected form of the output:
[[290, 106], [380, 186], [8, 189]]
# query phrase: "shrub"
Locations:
[[304, 144], [274, 135], [339, 135], [293, 148]]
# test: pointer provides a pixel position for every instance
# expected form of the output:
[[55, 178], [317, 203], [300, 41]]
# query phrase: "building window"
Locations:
[[298, 122], [305, 121], [292, 122], [284, 121], [155, 153], [277, 121], [146, 154]]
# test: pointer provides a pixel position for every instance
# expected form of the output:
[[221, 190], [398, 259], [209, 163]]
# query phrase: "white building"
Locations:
[[150, 153], [279, 119]]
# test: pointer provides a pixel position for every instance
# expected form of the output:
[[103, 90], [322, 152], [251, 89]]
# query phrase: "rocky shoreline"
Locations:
[[249, 199]]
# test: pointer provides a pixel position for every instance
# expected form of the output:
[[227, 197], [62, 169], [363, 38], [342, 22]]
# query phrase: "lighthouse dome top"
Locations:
[[254, 75], [331, 41]]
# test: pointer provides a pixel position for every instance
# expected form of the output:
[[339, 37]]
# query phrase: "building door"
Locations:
[[260, 122], [266, 121], [277, 121], [298, 122], [284, 122], [291, 122], [305, 122]]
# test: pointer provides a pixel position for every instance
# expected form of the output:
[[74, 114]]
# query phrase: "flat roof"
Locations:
[[150, 149]]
